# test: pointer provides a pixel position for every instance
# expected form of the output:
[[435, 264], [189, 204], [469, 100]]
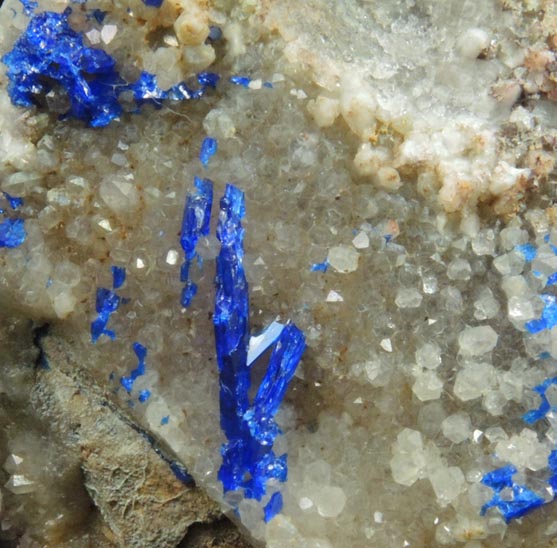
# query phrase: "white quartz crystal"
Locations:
[[19, 484], [330, 501], [447, 483], [408, 297], [475, 341], [427, 386], [343, 258], [457, 427], [428, 355], [473, 380]]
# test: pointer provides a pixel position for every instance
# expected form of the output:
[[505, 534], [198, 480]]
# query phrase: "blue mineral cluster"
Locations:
[[512, 499], [107, 302], [548, 319], [195, 223], [50, 55], [248, 458], [12, 233]]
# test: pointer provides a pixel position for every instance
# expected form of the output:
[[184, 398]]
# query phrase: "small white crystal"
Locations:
[[428, 386], [94, 36], [324, 110], [343, 258], [408, 297], [409, 459], [505, 177], [484, 243], [172, 257], [388, 178], [509, 264], [472, 42], [428, 356], [305, 503], [475, 341], [105, 225], [457, 428], [119, 195], [334, 297], [386, 345], [447, 483], [378, 517], [430, 284], [329, 501], [486, 306], [108, 32], [12, 462], [361, 240], [18, 484], [474, 380], [459, 269], [524, 450], [255, 84]]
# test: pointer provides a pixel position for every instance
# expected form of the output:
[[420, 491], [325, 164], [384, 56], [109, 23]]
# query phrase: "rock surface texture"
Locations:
[[388, 173]]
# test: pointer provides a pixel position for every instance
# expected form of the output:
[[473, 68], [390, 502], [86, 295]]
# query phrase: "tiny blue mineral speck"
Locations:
[[320, 267], [215, 33], [144, 395], [243, 81]]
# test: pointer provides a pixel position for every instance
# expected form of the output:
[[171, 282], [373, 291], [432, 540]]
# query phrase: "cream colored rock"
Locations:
[[324, 110], [192, 26]]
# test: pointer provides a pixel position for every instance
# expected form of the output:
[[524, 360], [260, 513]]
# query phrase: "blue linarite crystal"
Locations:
[[118, 276], [107, 302], [50, 55], [522, 501], [248, 460], [208, 150], [14, 202], [153, 3], [128, 382], [195, 223], [12, 233], [273, 507]]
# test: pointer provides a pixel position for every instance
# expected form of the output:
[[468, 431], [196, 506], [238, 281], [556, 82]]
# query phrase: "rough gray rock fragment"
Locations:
[[139, 497]]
